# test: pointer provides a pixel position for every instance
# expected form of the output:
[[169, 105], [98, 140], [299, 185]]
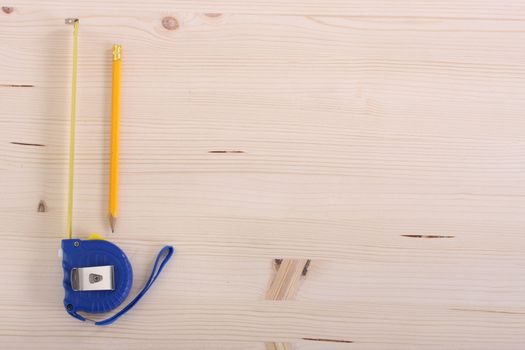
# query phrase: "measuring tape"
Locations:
[[97, 274]]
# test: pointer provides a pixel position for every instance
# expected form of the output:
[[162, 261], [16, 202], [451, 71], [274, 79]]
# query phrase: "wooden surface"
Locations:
[[383, 140]]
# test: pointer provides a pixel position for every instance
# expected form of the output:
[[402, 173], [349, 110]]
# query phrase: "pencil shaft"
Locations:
[[115, 130]]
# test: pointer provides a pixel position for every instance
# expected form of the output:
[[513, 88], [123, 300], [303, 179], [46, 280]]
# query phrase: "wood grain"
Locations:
[[285, 283], [383, 140], [284, 286]]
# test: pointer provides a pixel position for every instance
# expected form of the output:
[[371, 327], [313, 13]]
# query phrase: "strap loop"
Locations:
[[163, 257]]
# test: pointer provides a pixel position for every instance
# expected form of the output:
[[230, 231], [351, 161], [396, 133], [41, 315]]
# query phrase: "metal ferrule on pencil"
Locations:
[[117, 52]]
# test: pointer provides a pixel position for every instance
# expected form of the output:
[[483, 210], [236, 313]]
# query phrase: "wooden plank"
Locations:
[[384, 140], [369, 324], [511, 9], [483, 282]]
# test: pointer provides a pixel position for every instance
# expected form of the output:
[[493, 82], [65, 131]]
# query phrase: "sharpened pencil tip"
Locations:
[[112, 222]]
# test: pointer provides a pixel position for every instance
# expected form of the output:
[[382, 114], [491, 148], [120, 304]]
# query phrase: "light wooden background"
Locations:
[[355, 122]]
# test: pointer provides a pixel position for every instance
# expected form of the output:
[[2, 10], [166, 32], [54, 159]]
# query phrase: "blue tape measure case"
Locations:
[[77, 254]]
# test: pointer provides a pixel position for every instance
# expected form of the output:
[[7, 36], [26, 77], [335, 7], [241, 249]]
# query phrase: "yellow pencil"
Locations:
[[115, 123]]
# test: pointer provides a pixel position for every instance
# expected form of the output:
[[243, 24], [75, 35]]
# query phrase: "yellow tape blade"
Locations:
[[72, 132]]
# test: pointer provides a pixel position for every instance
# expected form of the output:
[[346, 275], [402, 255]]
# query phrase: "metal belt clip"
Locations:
[[92, 278]]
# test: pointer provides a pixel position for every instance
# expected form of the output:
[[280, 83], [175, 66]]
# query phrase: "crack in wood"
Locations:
[[42, 206], [226, 151], [427, 236], [329, 340], [17, 85], [28, 144], [306, 266]]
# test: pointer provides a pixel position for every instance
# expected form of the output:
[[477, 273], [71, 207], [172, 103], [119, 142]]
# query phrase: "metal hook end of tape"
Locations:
[[71, 20]]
